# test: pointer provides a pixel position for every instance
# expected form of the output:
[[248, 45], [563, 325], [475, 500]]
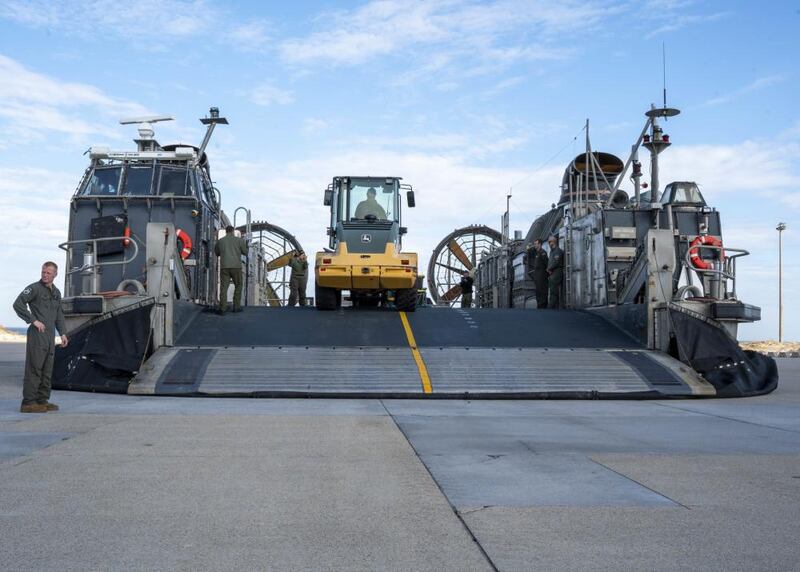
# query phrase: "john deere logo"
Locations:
[[366, 238]]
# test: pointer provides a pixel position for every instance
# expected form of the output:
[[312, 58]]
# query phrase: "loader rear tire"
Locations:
[[406, 299], [326, 298]]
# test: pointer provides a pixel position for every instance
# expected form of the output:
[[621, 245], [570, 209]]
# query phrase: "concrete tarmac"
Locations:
[[115, 482]]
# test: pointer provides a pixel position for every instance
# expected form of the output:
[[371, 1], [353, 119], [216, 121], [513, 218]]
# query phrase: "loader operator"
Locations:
[[230, 249], [299, 278], [370, 206], [539, 273], [555, 270]]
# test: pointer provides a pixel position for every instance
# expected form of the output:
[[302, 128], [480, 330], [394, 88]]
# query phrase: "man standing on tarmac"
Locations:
[[299, 278], [40, 306], [230, 249], [555, 270], [466, 290], [539, 273]]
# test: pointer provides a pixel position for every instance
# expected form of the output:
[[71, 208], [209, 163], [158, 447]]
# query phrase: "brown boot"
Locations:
[[50, 406], [33, 408]]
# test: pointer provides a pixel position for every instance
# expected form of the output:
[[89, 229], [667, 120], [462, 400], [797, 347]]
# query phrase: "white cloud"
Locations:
[[446, 86], [483, 141], [455, 27], [35, 207], [141, 20], [676, 14], [751, 166], [312, 125], [754, 86], [150, 25], [503, 85], [763, 82], [267, 95], [21, 84], [250, 36], [34, 104]]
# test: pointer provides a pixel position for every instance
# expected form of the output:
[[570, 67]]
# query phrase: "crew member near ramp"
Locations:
[[555, 270], [539, 273], [40, 306], [230, 249], [370, 206], [297, 283], [466, 290]]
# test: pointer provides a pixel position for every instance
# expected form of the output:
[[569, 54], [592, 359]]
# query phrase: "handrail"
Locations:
[[67, 247], [728, 269], [249, 259]]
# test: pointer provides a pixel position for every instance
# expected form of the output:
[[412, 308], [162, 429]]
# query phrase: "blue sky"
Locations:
[[463, 99]]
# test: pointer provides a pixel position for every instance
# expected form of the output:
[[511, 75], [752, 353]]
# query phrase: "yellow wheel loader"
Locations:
[[365, 237]]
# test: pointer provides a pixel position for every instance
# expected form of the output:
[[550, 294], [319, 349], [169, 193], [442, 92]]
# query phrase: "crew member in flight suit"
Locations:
[[555, 270], [299, 278], [230, 249], [539, 273], [466, 290], [39, 305]]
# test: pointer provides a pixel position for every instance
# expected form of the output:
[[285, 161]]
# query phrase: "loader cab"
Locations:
[[371, 204]]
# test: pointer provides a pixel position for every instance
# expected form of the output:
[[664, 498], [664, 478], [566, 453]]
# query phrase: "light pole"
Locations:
[[780, 228]]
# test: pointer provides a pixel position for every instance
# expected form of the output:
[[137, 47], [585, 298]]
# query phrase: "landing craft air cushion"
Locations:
[[140, 260], [141, 273], [654, 264]]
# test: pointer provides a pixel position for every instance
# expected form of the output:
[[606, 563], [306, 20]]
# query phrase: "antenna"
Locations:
[[145, 142], [664, 71], [210, 123], [146, 119]]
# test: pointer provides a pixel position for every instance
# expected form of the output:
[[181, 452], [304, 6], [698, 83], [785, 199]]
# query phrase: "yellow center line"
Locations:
[[423, 371]]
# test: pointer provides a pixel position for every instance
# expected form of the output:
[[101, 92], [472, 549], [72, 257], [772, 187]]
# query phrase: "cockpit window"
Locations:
[[686, 193], [138, 180], [371, 198], [173, 181], [103, 181]]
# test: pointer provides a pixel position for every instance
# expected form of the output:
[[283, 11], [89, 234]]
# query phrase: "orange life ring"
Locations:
[[126, 242], [694, 250], [186, 241]]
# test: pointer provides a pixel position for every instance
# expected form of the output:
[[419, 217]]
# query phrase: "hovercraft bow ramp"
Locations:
[[434, 352]]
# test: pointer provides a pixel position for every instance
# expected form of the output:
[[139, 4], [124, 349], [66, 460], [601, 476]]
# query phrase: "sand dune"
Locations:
[[7, 336]]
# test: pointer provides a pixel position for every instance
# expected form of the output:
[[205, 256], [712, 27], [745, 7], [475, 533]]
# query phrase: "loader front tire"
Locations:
[[406, 299], [326, 298]]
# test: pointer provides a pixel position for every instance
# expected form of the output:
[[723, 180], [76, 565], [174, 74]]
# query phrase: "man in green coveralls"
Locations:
[[39, 305], [555, 271], [299, 278], [230, 249], [539, 273]]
